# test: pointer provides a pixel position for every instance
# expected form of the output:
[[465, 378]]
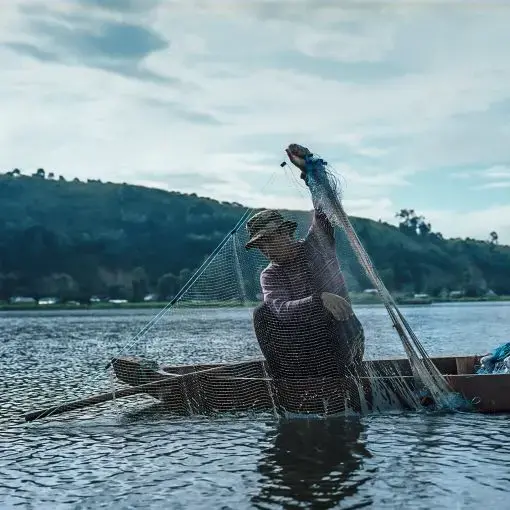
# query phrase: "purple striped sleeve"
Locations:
[[287, 310]]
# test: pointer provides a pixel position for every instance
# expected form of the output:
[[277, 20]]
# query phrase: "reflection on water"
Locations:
[[400, 461], [134, 455], [312, 462]]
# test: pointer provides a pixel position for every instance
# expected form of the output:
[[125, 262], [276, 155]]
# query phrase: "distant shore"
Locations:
[[357, 299]]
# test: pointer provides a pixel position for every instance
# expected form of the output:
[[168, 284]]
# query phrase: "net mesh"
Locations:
[[284, 326]]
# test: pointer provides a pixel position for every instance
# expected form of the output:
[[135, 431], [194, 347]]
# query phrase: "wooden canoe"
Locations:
[[234, 387]]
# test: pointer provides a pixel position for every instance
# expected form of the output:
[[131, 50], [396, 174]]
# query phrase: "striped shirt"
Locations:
[[292, 290]]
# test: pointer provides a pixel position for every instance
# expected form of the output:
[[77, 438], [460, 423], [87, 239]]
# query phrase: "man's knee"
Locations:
[[260, 313], [264, 324], [265, 321]]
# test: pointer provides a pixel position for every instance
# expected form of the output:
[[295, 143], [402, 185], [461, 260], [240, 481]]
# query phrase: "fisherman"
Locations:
[[306, 326]]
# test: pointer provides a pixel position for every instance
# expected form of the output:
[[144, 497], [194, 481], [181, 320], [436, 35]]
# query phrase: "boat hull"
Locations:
[[387, 384]]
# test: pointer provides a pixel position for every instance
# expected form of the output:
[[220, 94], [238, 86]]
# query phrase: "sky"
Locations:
[[409, 101]]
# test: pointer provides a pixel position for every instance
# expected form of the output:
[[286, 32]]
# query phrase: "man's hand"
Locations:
[[297, 155], [337, 306]]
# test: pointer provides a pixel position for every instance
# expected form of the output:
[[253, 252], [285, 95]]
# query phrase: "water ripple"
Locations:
[[137, 456]]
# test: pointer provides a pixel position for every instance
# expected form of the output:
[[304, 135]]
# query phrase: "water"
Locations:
[[133, 455]]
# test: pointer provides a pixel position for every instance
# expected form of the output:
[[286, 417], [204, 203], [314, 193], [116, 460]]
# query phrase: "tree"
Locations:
[[412, 224], [184, 275], [423, 228], [388, 277], [139, 284], [59, 285], [16, 172], [40, 173], [167, 286], [8, 286], [493, 238], [124, 244]]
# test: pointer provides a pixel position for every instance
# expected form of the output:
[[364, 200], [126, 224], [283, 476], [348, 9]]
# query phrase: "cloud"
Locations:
[[76, 38], [134, 6], [497, 172], [180, 111], [185, 182], [31, 50], [496, 184], [401, 97], [494, 177], [476, 223]]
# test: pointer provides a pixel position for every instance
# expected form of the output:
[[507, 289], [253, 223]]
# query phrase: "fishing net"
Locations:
[[287, 315]]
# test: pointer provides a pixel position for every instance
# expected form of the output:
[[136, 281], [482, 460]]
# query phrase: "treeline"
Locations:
[[74, 240]]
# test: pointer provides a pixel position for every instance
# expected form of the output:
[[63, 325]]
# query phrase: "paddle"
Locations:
[[90, 401], [105, 397]]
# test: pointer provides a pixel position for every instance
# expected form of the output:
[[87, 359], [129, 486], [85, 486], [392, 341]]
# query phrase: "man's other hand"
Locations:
[[337, 306]]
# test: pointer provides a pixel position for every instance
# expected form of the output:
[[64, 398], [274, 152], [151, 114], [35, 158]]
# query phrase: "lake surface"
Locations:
[[129, 454]]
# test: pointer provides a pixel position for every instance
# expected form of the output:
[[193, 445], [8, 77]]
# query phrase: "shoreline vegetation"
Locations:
[[357, 299], [99, 245]]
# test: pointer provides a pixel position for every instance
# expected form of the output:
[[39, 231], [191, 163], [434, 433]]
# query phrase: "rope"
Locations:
[[319, 180]]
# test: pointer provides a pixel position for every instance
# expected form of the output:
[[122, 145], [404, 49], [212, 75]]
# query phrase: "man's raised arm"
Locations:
[[320, 223]]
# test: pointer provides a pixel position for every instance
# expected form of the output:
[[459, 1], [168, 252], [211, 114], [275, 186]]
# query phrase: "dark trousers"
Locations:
[[318, 348]]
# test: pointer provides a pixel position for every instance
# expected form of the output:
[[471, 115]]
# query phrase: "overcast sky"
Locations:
[[410, 101]]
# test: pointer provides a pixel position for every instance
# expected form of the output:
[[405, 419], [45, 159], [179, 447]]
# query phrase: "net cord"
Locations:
[[190, 282], [320, 185]]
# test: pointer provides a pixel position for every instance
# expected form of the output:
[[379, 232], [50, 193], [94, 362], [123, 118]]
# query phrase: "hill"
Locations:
[[78, 239]]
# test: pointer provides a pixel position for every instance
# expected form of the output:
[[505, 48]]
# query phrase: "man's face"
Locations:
[[277, 247]]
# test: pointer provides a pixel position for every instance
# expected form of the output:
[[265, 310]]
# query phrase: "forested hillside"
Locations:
[[77, 239]]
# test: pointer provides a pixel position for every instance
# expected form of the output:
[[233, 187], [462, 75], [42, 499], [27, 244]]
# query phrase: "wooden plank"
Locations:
[[489, 393], [445, 364]]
